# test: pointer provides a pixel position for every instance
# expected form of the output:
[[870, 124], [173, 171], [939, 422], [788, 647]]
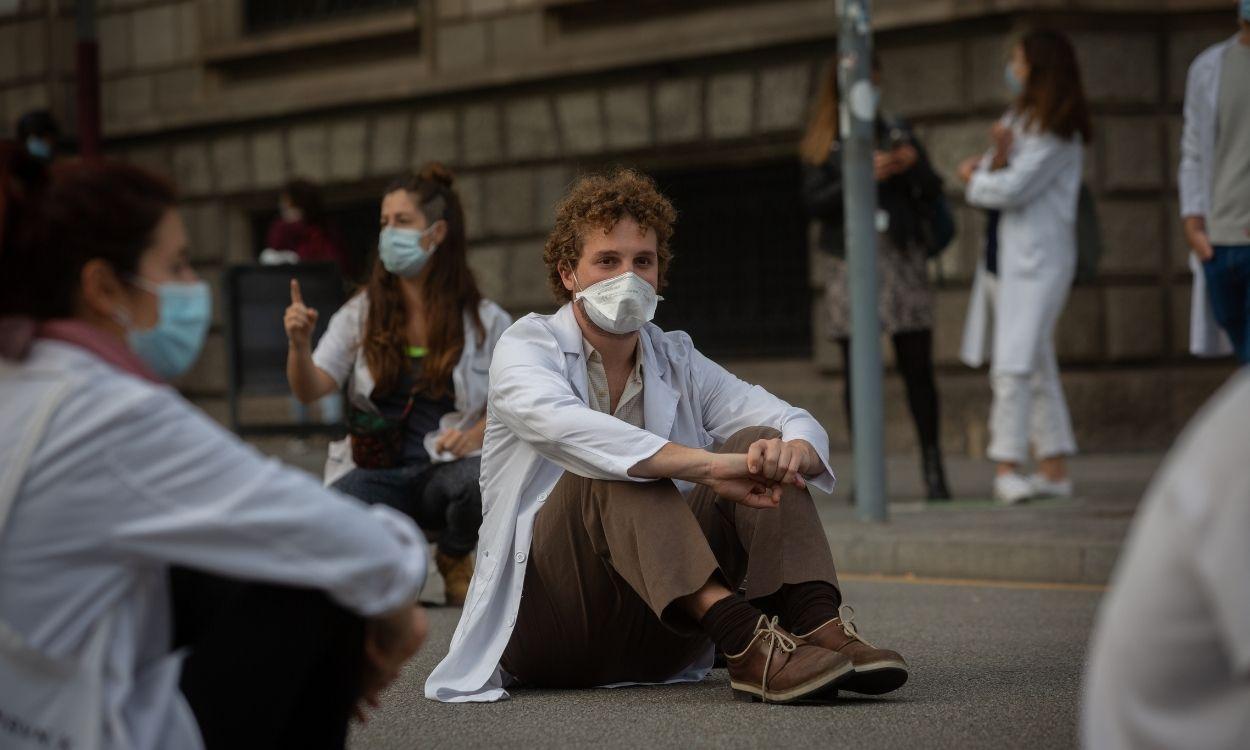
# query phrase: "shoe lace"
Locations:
[[776, 639], [846, 618]]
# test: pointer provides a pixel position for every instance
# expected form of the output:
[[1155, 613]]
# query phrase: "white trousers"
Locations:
[[1030, 408]]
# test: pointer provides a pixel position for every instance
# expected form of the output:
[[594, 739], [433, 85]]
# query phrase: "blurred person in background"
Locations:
[[1032, 177], [1214, 183], [1169, 663], [413, 350], [907, 189], [301, 233], [38, 133], [163, 585]]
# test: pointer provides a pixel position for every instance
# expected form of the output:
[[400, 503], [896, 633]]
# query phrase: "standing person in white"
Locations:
[[1032, 177], [413, 349], [1169, 663], [1214, 183], [631, 485], [290, 606]]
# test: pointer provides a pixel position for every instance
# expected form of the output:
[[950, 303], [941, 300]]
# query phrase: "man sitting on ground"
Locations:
[[631, 486]]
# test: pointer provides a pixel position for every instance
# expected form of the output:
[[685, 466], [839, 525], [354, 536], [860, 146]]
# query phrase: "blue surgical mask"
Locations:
[[1245, 10], [173, 345], [1014, 84], [401, 251], [39, 148]]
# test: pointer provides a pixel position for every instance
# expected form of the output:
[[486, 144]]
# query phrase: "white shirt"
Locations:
[[1195, 177], [1169, 666], [130, 479], [340, 355], [539, 425]]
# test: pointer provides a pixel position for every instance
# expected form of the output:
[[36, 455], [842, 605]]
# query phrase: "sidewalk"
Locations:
[[1060, 541], [1057, 541]]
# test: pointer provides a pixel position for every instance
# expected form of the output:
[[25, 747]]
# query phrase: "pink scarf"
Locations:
[[17, 335]]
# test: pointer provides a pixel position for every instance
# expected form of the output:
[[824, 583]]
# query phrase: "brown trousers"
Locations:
[[609, 560]]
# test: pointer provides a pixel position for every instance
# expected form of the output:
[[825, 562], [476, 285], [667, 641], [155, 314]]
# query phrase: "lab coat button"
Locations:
[[520, 557], [542, 498]]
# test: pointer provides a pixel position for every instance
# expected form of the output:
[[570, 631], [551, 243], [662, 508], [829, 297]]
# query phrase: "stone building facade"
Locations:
[[232, 97]]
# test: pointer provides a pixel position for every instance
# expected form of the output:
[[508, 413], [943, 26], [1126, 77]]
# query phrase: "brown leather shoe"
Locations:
[[877, 670], [776, 667], [456, 572]]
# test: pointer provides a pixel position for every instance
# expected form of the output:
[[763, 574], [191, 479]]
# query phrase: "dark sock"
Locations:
[[802, 607], [730, 623]]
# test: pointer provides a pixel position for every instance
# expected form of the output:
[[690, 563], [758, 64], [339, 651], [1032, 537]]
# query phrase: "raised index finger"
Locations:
[[296, 297]]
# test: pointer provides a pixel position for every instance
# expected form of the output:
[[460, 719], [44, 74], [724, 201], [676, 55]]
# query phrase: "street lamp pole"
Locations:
[[857, 115]]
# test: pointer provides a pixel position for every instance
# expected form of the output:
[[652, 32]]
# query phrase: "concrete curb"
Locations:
[[870, 551]]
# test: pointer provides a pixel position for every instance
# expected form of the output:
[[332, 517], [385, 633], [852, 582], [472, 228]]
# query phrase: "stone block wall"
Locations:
[[519, 96]]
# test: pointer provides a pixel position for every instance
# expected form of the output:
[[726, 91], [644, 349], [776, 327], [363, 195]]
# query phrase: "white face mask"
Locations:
[[621, 304]]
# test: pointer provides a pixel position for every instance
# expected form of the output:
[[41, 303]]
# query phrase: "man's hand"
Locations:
[[1196, 236], [729, 477], [299, 320], [778, 461], [390, 641], [461, 443]]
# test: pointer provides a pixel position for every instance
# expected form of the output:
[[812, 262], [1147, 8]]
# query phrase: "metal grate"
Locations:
[[739, 280], [269, 15]]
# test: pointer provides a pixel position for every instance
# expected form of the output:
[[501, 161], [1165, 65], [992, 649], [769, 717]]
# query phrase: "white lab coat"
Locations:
[[539, 426], [1037, 196], [129, 479], [1195, 177], [340, 355]]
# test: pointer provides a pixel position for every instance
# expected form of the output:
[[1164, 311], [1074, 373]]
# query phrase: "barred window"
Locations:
[[271, 15], [739, 280]]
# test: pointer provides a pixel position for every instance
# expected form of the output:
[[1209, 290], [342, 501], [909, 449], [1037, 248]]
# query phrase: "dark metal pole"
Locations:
[[858, 113], [87, 78]]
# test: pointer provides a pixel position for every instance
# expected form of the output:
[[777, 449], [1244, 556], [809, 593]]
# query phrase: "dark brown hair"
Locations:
[[822, 122], [1053, 99], [87, 209], [448, 291], [306, 196], [598, 202]]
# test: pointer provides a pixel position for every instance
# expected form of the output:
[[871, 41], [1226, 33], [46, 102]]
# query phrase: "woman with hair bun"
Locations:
[[413, 349]]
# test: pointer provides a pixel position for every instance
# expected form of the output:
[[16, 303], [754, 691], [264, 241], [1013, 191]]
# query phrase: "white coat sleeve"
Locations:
[[731, 404], [1039, 160], [1191, 173], [335, 354], [197, 496], [530, 395]]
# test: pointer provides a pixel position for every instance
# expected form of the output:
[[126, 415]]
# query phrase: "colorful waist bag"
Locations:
[[377, 440]]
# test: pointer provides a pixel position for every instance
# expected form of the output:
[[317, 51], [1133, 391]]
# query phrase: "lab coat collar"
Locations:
[[659, 405]]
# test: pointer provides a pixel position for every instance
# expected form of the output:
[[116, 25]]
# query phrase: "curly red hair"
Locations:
[[599, 202]]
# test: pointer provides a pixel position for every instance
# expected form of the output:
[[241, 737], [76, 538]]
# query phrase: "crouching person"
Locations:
[[413, 350], [631, 486]]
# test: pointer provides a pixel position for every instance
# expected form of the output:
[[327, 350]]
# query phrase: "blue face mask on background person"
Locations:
[[39, 148], [173, 345], [401, 251], [1245, 10], [1014, 84]]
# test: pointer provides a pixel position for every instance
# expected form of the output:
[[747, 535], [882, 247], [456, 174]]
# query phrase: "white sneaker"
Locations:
[[1043, 487], [1010, 489]]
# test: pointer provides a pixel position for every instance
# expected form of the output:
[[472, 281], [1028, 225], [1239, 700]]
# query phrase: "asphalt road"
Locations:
[[993, 666]]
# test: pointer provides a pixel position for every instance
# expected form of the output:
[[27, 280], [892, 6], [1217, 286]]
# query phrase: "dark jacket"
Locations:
[[902, 196]]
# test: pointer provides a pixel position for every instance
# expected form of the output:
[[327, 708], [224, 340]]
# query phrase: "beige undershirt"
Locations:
[[629, 408]]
